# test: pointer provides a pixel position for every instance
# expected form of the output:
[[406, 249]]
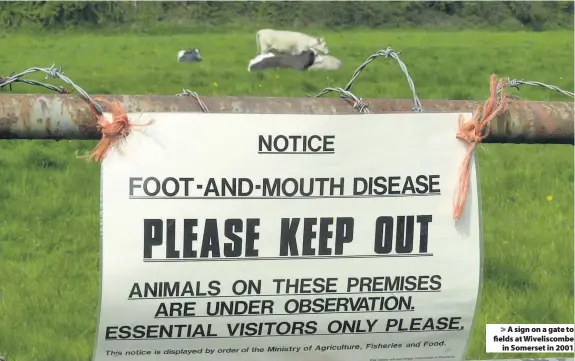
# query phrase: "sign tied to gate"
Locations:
[[288, 237]]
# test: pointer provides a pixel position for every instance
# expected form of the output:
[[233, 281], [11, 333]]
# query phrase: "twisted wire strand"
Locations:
[[346, 95], [515, 83], [189, 93], [51, 72], [58, 89], [389, 53]]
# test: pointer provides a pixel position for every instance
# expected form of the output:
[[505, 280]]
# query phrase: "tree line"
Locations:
[[197, 16]]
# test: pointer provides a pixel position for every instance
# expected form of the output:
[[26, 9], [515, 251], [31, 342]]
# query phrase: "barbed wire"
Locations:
[[189, 93], [387, 53], [8, 81], [514, 83], [51, 72], [358, 103]]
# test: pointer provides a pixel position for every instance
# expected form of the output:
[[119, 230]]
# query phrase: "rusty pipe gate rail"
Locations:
[[33, 116]]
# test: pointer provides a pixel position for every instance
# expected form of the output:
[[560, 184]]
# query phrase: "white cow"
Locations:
[[288, 42], [325, 62]]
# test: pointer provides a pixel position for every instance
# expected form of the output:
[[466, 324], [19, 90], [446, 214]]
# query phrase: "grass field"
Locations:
[[49, 200]]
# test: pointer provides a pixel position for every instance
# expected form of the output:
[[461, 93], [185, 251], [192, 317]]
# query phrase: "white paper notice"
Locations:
[[288, 238]]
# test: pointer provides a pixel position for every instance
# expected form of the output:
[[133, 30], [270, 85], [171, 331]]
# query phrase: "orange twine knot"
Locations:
[[114, 131], [474, 132]]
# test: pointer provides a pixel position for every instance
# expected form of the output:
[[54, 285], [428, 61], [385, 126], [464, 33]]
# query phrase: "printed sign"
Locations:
[[288, 237]]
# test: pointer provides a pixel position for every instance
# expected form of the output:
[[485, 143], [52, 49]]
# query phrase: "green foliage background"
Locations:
[[196, 16]]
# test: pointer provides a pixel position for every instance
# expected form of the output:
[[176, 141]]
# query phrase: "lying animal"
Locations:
[[288, 42], [191, 55], [325, 62], [259, 58], [271, 61]]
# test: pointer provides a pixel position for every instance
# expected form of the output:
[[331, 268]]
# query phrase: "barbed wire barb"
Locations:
[[189, 93]]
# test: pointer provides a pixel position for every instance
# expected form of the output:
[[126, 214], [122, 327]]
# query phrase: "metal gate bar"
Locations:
[[69, 117]]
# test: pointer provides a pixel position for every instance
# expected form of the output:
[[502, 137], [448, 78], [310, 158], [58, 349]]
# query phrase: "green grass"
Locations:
[[49, 200]]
